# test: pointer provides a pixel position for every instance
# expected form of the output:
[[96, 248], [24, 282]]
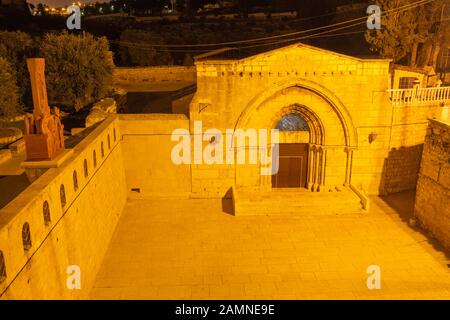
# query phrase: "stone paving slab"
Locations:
[[191, 249]]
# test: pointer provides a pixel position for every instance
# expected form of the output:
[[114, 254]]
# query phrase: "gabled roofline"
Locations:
[[199, 58]]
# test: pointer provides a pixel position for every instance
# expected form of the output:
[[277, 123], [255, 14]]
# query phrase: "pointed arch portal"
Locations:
[[317, 136], [292, 158]]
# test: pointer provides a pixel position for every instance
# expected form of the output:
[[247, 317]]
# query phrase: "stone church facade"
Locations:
[[356, 135]]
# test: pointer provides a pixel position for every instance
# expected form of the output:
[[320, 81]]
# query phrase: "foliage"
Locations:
[[78, 68], [403, 30], [180, 5], [9, 92], [397, 33], [136, 49], [15, 47], [431, 32]]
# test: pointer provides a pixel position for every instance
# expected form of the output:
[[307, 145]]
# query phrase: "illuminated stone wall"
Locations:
[[362, 130], [77, 233], [401, 165], [433, 189], [348, 95], [401, 72], [147, 149]]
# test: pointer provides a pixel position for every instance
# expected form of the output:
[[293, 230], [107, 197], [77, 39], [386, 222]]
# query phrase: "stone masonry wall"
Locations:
[[387, 149], [432, 206], [402, 164], [77, 233], [227, 88], [147, 150], [145, 75]]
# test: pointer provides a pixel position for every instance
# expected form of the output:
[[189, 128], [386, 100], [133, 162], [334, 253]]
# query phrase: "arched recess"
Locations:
[[332, 131], [350, 135]]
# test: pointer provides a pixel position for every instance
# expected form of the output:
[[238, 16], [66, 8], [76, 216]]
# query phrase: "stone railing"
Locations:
[[417, 96]]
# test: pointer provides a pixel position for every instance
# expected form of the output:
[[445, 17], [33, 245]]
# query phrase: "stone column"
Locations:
[[266, 180], [323, 164], [310, 167], [316, 170], [348, 171]]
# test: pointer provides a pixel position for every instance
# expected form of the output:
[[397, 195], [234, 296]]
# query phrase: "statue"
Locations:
[[44, 138]]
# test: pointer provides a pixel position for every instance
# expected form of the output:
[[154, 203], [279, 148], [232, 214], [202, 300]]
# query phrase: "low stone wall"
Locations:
[[401, 169], [407, 135], [100, 111], [432, 207], [143, 75], [71, 213], [5, 155]]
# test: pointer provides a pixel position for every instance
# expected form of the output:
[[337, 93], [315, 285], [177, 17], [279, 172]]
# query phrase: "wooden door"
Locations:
[[293, 164]]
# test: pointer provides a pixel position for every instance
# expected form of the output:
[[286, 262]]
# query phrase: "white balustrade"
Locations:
[[419, 95]]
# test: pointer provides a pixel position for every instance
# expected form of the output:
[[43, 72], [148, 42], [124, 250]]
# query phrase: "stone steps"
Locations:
[[296, 202]]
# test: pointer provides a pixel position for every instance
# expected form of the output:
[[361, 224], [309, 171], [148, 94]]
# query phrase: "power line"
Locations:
[[312, 36], [303, 37], [318, 35], [361, 19], [205, 50], [323, 34]]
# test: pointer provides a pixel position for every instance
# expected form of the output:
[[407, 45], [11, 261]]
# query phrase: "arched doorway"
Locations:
[[293, 152], [332, 135]]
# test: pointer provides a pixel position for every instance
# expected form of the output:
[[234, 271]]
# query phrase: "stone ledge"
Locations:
[[17, 147], [55, 163]]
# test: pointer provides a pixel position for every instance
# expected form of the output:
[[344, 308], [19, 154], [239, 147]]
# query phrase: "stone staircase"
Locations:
[[296, 202]]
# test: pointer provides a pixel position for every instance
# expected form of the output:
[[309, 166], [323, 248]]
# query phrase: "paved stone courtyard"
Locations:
[[191, 249]]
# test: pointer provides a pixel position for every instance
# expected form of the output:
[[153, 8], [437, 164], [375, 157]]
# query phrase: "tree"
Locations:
[[398, 30], [9, 92], [16, 47], [417, 32], [136, 49], [78, 68], [188, 61], [432, 29], [180, 6]]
